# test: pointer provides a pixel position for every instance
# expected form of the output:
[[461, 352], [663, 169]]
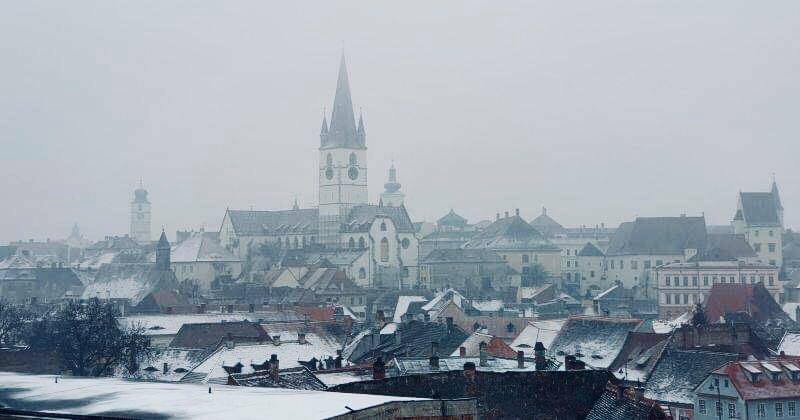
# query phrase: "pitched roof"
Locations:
[[413, 338], [205, 335], [510, 233], [759, 208], [598, 339], [261, 222], [494, 346], [292, 378], [361, 216], [659, 236], [765, 387], [543, 331], [452, 219], [751, 299], [589, 250], [129, 281], [678, 372], [790, 344], [725, 247], [610, 407], [461, 255], [200, 247], [546, 225]]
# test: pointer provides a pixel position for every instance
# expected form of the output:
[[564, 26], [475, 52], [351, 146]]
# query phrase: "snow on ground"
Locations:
[[117, 397], [402, 306]]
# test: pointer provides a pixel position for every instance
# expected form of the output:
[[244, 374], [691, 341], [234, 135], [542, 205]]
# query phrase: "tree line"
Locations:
[[86, 337]]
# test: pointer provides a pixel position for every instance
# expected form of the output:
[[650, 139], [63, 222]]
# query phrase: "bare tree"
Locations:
[[89, 340]]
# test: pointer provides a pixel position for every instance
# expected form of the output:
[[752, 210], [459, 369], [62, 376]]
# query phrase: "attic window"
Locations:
[[597, 356], [180, 370]]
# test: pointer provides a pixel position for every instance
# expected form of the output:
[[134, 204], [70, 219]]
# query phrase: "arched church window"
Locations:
[[362, 273], [352, 243], [383, 226], [353, 159], [361, 243], [384, 250], [405, 243], [329, 160]]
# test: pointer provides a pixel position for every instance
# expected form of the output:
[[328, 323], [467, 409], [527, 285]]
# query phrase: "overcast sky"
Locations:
[[598, 110]]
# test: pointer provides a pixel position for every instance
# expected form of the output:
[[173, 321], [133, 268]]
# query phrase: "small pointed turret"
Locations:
[[163, 252]]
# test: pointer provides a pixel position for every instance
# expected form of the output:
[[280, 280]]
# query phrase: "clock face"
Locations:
[[329, 172], [353, 173]]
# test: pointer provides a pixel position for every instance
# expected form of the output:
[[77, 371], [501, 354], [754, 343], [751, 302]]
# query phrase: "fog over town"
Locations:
[[470, 210]]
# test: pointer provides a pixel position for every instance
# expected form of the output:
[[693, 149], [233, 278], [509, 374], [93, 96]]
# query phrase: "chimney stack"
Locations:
[[378, 369], [274, 369], [516, 211], [469, 371], [520, 359], [483, 357], [538, 356], [506, 214], [166, 368], [301, 338], [337, 362], [276, 339], [462, 351], [229, 342]]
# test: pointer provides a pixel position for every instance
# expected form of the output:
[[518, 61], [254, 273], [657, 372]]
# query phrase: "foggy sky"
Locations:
[[599, 110]]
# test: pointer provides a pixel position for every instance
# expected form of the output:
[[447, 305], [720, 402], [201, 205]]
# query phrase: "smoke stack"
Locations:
[[520, 359], [434, 362], [469, 371], [378, 369], [274, 370]]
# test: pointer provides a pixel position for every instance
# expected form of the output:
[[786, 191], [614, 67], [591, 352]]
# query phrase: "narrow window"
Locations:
[[384, 250]]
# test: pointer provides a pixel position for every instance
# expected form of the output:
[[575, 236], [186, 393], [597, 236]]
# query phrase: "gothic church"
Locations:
[[376, 244]]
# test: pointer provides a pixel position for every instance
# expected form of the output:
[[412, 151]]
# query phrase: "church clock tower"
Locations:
[[342, 163], [140, 216]]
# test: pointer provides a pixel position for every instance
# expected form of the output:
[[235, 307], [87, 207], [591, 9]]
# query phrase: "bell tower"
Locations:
[[342, 163], [140, 216]]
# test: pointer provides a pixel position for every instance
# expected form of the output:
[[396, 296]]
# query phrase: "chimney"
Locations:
[[301, 338], [274, 368], [378, 369], [538, 356], [434, 362], [520, 359], [229, 342], [572, 363], [483, 358], [166, 368], [506, 214], [276, 339], [462, 351], [337, 362], [434, 348], [449, 320], [469, 371], [516, 212]]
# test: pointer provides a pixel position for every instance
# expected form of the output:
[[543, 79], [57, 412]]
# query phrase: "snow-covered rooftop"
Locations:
[[488, 305], [543, 330], [666, 326], [402, 306], [790, 344], [118, 397], [289, 355]]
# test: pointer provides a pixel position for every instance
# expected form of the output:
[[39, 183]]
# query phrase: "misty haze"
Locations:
[[448, 210]]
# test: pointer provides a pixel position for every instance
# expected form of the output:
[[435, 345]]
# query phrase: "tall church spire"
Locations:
[[342, 131]]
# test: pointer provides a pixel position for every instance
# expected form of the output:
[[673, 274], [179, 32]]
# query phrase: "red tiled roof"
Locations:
[[498, 348], [317, 313], [752, 299], [764, 388]]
